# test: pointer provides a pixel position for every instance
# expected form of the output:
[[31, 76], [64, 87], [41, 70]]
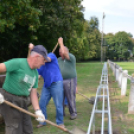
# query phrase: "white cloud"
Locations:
[[112, 7], [96, 5], [119, 14]]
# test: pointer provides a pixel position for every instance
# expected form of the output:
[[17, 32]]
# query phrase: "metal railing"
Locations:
[[103, 94]]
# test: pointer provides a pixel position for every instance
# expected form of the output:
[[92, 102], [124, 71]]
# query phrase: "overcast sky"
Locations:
[[119, 14]]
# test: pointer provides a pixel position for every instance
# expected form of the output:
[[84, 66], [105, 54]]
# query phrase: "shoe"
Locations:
[[40, 125], [72, 117], [62, 125]]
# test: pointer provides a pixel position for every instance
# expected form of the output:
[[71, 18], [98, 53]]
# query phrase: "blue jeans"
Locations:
[[55, 91]]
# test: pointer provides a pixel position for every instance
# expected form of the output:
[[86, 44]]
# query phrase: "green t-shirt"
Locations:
[[68, 67], [20, 78]]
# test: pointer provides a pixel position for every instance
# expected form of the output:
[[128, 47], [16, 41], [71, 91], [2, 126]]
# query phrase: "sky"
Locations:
[[119, 14]]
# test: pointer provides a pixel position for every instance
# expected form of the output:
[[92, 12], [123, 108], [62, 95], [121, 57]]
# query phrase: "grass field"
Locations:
[[122, 121], [127, 66], [88, 75]]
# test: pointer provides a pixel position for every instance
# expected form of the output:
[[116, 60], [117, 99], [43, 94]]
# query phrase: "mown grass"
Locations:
[[88, 79], [88, 75], [130, 67], [122, 121]]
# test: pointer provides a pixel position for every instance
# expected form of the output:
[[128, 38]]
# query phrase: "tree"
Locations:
[[60, 18], [130, 35], [122, 44], [18, 20], [119, 45], [39, 22], [18, 12], [110, 45], [87, 46]]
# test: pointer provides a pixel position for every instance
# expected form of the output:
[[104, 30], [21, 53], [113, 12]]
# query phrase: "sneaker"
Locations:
[[40, 125], [72, 117], [62, 125]]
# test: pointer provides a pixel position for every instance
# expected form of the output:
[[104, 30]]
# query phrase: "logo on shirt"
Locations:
[[30, 80]]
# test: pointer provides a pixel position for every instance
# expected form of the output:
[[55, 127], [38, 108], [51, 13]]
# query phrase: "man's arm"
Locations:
[[63, 48], [35, 103], [30, 47], [34, 99], [2, 68]]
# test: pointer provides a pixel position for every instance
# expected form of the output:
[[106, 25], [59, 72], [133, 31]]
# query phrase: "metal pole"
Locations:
[[102, 35]]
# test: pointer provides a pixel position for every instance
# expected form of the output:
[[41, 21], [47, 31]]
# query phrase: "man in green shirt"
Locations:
[[20, 83], [67, 64]]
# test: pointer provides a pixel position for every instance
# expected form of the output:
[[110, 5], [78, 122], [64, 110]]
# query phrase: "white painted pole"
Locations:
[[112, 66], [117, 72], [120, 77], [114, 70], [131, 98], [124, 83]]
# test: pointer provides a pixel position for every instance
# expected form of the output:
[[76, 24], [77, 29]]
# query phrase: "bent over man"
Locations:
[[52, 88], [21, 82]]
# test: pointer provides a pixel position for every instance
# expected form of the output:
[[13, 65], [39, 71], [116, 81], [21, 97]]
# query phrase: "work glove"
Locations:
[[1, 98], [41, 117]]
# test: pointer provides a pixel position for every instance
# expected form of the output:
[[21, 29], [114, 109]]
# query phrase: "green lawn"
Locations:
[[127, 66], [122, 121], [88, 75]]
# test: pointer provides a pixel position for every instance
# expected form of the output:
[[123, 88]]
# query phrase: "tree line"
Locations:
[[119, 46], [43, 21]]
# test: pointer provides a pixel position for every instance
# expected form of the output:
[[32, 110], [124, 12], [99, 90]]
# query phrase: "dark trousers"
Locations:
[[16, 122], [69, 86]]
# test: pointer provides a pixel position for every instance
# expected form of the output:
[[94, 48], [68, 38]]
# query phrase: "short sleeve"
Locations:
[[72, 58], [52, 56], [12, 65]]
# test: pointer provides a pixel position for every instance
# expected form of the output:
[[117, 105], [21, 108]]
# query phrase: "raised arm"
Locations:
[[30, 47], [63, 49]]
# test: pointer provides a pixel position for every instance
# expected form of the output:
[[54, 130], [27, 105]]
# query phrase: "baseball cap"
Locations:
[[41, 50]]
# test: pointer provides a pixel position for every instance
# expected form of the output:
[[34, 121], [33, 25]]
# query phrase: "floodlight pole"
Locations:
[[102, 35]]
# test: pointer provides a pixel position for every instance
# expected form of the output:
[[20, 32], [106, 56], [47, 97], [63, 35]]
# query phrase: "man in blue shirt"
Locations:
[[53, 87]]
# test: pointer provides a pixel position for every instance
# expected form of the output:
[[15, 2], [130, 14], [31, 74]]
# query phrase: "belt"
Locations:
[[21, 96]]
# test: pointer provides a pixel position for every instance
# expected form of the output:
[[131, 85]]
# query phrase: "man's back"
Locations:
[[68, 67], [50, 71]]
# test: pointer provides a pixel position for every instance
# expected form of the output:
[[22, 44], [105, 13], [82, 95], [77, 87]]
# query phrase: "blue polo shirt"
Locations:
[[50, 71]]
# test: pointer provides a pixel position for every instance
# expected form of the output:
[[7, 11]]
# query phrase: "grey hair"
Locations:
[[33, 53]]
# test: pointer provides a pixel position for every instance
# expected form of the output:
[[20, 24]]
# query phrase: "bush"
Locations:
[[131, 59]]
